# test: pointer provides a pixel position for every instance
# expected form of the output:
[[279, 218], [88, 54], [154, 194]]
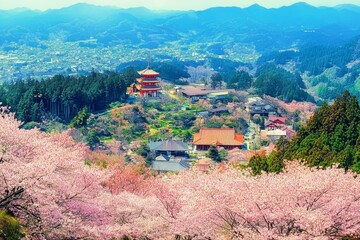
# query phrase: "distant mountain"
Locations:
[[268, 29], [329, 69], [350, 7]]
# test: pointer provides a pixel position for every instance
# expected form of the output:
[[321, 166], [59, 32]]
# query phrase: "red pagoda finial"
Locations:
[[148, 61]]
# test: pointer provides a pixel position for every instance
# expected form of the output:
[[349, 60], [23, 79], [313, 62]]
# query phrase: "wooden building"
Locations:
[[147, 84], [169, 147], [200, 92], [262, 109], [274, 122], [220, 137]]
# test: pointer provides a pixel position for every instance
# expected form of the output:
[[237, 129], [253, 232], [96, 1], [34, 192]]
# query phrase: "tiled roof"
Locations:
[[273, 118], [170, 166], [219, 109], [162, 158], [168, 145], [148, 71], [218, 136]]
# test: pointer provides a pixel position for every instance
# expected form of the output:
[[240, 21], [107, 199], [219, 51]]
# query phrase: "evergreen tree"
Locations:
[[92, 139], [241, 80], [80, 119], [216, 81], [63, 96], [258, 164], [213, 153]]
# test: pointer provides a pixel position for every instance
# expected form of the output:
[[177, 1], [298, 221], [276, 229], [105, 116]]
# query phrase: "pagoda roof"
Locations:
[[140, 80], [218, 136], [138, 87], [150, 87], [148, 71]]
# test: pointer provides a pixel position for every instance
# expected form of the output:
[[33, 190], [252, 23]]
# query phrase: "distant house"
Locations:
[[221, 137], [169, 147], [261, 109], [197, 92], [218, 111], [274, 122]]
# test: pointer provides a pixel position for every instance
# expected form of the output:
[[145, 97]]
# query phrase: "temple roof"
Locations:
[[169, 145], [170, 166], [145, 80], [218, 136], [148, 71]]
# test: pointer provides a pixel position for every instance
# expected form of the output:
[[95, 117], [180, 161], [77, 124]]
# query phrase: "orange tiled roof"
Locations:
[[218, 136]]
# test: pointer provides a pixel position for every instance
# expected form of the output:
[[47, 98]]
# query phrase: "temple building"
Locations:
[[148, 84], [219, 137], [274, 122], [171, 156], [169, 147]]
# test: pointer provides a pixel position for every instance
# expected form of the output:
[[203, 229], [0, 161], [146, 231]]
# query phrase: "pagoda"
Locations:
[[148, 83]]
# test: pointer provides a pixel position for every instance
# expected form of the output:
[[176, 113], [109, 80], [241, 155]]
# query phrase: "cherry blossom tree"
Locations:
[[44, 181], [46, 185], [299, 203]]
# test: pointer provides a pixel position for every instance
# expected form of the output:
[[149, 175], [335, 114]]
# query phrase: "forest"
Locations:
[[64, 96], [277, 82]]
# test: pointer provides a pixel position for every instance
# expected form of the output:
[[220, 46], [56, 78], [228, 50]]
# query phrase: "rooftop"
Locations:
[[169, 145], [219, 109], [218, 136], [170, 166], [151, 80], [273, 118], [148, 71]]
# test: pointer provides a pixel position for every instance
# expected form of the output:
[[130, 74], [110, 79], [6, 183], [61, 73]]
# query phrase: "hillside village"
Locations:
[[216, 124]]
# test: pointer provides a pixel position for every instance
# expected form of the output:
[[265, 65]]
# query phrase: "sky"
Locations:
[[165, 4]]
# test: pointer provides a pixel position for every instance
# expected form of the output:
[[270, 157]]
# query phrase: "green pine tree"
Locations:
[[213, 153]]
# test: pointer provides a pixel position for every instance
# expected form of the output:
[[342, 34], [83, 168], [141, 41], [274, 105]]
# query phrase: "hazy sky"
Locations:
[[165, 4]]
